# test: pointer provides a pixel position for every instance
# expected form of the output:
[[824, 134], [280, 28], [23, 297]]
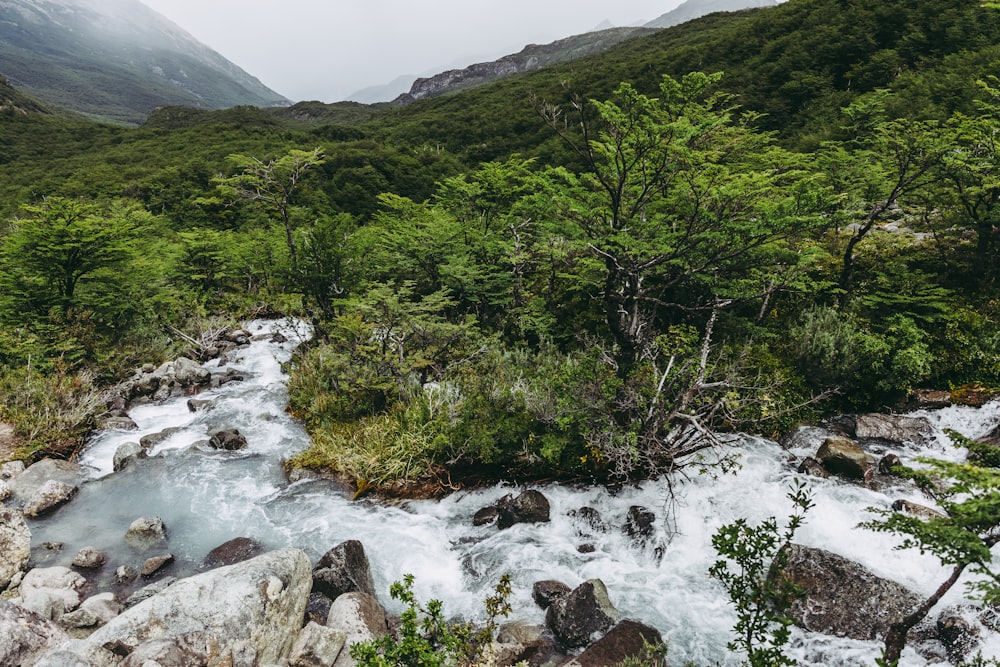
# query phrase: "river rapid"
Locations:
[[206, 497]]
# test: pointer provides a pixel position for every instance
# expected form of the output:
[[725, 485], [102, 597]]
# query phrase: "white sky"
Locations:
[[327, 49]]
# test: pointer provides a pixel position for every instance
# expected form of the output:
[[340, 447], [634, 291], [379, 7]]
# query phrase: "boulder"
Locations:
[[248, 608], [639, 523], [842, 456], [628, 639], [887, 463], [49, 497], [916, 509], [959, 635], [5, 490], [591, 519], [153, 565], [928, 399], [51, 591], [188, 373], [125, 573], [528, 507], [126, 453], [234, 551], [80, 618], [528, 643], [145, 532], [804, 437], [360, 618], [190, 648], [228, 439], [10, 470], [15, 545], [103, 607], [79, 653], [27, 483], [486, 516], [89, 558], [545, 592], [343, 569], [812, 467], [844, 598], [582, 615], [25, 636], [149, 591], [317, 646], [318, 608], [117, 423], [199, 404], [894, 429], [153, 439]]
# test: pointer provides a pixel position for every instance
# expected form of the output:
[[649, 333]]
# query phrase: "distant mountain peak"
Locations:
[[116, 59], [692, 9]]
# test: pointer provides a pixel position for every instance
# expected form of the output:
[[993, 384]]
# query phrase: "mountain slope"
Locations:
[[116, 60], [692, 9]]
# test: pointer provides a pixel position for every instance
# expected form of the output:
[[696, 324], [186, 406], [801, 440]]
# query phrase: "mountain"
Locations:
[[13, 101], [692, 9], [116, 60], [384, 92], [531, 57]]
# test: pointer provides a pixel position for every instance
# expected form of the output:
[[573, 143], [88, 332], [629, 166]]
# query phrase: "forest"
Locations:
[[589, 272]]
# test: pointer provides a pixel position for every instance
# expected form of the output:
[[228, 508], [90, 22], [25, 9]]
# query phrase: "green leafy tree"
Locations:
[[752, 559], [969, 495]]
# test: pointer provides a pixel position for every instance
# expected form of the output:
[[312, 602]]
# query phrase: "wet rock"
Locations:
[[587, 548], [531, 644], [125, 573], [317, 646], [812, 467], [15, 545], [228, 439], [153, 439], [190, 648], [959, 636], [581, 615], [248, 608], [126, 454], [894, 429], [486, 515], [149, 591], [189, 373], [198, 404], [360, 618], [545, 592], [34, 477], [590, 518], [639, 523], [844, 598], [51, 591], [103, 606], [117, 423], [528, 507], [887, 463], [145, 532], [89, 558], [25, 636], [628, 639], [928, 399], [49, 497], [153, 565], [343, 569], [843, 457], [916, 509], [230, 375], [81, 618], [10, 470], [318, 607], [234, 551]]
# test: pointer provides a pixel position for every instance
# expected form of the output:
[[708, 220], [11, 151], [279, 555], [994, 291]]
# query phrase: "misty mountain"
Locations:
[[692, 9], [116, 60]]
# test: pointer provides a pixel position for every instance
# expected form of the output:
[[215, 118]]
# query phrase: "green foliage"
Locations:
[[427, 639], [753, 558]]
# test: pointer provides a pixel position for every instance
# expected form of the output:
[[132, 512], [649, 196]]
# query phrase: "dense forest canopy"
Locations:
[[588, 271]]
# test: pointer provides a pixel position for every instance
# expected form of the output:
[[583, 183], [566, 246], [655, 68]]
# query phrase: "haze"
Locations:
[[318, 50]]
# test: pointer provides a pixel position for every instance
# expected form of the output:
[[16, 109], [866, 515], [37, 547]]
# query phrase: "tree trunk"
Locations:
[[895, 638]]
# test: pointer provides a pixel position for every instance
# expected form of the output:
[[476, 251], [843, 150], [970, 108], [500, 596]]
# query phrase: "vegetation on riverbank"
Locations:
[[586, 281]]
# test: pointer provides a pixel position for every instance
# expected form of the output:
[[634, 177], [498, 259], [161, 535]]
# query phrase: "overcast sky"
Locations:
[[327, 49]]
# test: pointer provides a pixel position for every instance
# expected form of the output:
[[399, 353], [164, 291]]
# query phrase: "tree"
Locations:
[[969, 495], [272, 185], [61, 245]]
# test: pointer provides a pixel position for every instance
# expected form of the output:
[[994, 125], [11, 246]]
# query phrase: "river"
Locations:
[[206, 497]]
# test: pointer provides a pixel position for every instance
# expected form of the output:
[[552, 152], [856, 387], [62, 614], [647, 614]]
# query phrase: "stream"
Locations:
[[206, 497]]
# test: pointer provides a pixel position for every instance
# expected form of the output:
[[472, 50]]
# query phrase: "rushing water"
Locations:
[[206, 497]]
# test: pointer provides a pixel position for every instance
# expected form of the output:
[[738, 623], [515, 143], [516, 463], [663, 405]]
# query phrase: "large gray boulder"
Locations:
[[28, 482], [893, 429], [317, 646], [582, 615], [51, 591], [15, 545], [360, 617], [49, 497], [842, 597], [628, 639], [842, 456], [343, 569], [251, 609], [146, 532], [188, 373], [531, 506], [25, 636]]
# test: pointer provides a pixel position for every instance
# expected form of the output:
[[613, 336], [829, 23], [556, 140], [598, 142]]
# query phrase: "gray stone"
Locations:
[[126, 453], [959, 635], [317, 646], [26, 636], [360, 618], [103, 606], [639, 523], [528, 507], [247, 607], [125, 574], [15, 545], [149, 591], [582, 615], [81, 618], [343, 569], [228, 439], [842, 456], [844, 598], [153, 565], [234, 551], [146, 531], [812, 467], [79, 653], [628, 639], [547, 591], [49, 497], [153, 439], [25, 484], [89, 558], [51, 591], [117, 424], [10, 470], [189, 373], [916, 509], [190, 648], [895, 429]]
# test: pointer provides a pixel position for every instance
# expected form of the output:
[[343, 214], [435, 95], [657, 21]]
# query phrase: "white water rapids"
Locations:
[[207, 497]]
